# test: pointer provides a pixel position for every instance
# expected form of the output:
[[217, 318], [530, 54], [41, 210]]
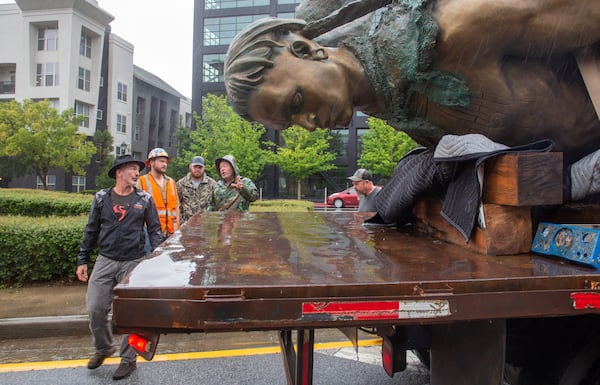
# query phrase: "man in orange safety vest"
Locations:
[[163, 190]]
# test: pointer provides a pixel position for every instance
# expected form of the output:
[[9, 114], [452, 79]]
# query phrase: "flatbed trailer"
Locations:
[[473, 316]]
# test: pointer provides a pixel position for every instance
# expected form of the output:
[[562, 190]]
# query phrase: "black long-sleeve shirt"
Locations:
[[120, 240]]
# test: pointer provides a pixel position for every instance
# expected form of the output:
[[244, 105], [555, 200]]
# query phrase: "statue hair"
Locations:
[[250, 53]]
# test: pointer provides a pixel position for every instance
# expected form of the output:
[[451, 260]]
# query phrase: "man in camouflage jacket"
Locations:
[[232, 192], [195, 190]]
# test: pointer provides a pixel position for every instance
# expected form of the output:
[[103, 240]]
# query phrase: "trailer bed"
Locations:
[[307, 270]]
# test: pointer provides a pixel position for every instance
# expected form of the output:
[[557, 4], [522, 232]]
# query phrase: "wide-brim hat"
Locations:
[[123, 160]]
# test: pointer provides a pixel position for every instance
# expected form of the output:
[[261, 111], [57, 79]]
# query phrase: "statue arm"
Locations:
[[519, 27]]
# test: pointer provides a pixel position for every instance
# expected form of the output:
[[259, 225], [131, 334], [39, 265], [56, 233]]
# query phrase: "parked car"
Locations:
[[346, 198]]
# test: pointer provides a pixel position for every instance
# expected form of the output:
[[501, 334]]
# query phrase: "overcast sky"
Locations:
[[161, 32]]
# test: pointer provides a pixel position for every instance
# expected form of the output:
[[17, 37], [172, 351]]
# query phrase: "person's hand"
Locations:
[[82, 273], [238, 184]]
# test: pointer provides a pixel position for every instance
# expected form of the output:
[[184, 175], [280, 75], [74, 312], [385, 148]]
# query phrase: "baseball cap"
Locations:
[[361, 174], [197, 161]]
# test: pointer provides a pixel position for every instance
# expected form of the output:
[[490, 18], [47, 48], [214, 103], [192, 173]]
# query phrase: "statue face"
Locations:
[[303, 91]]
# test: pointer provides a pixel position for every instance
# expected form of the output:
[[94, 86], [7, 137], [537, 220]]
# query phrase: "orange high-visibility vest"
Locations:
[[167, 211]]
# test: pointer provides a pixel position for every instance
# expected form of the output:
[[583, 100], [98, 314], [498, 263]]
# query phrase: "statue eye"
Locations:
[[296, 103]]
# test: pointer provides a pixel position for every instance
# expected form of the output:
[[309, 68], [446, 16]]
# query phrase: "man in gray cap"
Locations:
[[362, 180], [116, 227], [194, 190]]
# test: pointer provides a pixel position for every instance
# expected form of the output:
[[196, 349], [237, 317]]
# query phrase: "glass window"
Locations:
[[287, 2], [46, 74], [221, 30], [121, 123], [47, 39], [136, 133], [85, 45], [83, 110], [212, 68], [83, 79], [78, 183], [221, 4], [122, 92], [50, 182]]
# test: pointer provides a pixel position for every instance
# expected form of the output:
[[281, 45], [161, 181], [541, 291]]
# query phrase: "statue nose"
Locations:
[[307, 120]]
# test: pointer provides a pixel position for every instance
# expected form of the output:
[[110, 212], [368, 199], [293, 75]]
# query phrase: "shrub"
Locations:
[[36, 249], [39, 203]]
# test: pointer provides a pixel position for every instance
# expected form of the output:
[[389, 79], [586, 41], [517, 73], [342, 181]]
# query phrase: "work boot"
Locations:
[[585, 176], [98, 358], [124, 370]]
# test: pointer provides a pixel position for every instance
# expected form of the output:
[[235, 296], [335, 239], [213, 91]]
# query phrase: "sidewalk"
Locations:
[[43, 311]]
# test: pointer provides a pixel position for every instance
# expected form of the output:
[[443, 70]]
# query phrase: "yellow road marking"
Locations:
[[45, 365]]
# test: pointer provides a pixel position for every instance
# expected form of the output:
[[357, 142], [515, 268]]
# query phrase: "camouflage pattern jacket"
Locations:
[[191, 199], [229, 199]]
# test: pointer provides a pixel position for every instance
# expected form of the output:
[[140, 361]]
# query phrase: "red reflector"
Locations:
[[139, 343], [586, 300]]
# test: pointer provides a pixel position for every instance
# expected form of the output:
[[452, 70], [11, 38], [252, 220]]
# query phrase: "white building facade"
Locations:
[[63, 51]]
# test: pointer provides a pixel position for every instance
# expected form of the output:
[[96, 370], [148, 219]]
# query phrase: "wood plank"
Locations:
[[508, 228], [524, 179]]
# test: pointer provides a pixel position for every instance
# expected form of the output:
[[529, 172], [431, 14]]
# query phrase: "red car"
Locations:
[[346, 198]]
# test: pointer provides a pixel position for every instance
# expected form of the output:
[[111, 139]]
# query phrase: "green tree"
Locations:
[[11, 118], [46, 140], [103, 141], [382, 147], [304, 153], [220, 131]]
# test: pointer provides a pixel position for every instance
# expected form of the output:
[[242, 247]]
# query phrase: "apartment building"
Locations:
[[216, 22], [64, 51]]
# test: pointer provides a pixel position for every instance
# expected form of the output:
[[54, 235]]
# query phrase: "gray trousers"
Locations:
[[106, 274]]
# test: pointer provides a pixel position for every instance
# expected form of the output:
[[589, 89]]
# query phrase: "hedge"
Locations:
[[39, 249], [39, 203]]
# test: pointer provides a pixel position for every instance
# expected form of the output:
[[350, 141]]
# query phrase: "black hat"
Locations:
[[122, 160]]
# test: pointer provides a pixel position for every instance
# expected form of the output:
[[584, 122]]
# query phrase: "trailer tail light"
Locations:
[[393, 355], [583, 301], [144, 344]]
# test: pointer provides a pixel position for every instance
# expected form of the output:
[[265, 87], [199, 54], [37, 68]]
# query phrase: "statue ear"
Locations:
[[303, 50]]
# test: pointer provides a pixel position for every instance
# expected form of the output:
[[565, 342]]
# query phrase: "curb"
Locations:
[[38, 327]]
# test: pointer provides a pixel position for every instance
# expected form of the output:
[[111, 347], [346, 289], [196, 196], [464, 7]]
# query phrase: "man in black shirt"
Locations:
[[116, 226]]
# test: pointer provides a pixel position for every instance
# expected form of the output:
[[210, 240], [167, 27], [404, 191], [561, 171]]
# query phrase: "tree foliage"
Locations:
[[382, 147], [304, 153], [103, 141], [220, 131], [40, 139]]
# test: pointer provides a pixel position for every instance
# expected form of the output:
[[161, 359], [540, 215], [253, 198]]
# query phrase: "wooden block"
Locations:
[[524, 179], [508, 228]]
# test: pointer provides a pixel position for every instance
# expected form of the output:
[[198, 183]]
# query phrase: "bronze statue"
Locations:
[[506, 70]]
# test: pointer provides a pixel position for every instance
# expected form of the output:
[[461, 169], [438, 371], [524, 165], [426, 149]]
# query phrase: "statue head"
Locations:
[[250, 55]]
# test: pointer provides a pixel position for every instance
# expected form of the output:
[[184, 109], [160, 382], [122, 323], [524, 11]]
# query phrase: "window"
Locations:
[[212, 68], [78, 183], [83, 79], [99, 114], [220, 4], [121, 123], [47, 39], [221, 30], [85, 45], [50, 182], [136, 133], [83, 110], [122, 92], [46, 74]]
